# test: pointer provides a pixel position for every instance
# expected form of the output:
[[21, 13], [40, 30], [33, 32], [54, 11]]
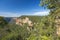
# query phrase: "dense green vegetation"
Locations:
[[44, 30], [2, 22]]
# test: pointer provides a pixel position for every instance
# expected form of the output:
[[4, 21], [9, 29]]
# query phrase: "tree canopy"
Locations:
[[50, 4]]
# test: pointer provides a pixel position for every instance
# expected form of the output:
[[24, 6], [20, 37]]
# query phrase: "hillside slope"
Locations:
[[29, 28], [3, 22]]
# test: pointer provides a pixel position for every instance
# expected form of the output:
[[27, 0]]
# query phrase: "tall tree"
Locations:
[[50, 4], [54, 7]]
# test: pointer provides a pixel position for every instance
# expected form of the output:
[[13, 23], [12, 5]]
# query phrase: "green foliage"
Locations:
[[2, 22], [44, 30], [50, 4]]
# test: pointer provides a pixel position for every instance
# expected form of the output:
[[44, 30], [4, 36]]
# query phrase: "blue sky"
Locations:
[[14, 8]]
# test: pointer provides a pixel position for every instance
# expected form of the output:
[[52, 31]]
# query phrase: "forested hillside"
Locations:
[[3, 22], [43, 29]]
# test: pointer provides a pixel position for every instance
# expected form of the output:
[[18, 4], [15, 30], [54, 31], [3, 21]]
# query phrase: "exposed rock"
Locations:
[[26, 20]]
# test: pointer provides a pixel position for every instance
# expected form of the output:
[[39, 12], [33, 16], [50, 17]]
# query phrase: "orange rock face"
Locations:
[[26, 20]]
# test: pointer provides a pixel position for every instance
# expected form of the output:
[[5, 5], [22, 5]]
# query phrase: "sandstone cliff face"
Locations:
[[23, 21]]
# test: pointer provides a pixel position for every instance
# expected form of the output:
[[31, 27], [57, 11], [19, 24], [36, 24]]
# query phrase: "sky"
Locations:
[[16, 8]]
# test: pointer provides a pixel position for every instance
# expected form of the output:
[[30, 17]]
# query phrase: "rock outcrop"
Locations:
[[23, 21]]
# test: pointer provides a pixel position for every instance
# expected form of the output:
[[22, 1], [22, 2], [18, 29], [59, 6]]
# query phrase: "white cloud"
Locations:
[[42, 13], [11, 14]]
